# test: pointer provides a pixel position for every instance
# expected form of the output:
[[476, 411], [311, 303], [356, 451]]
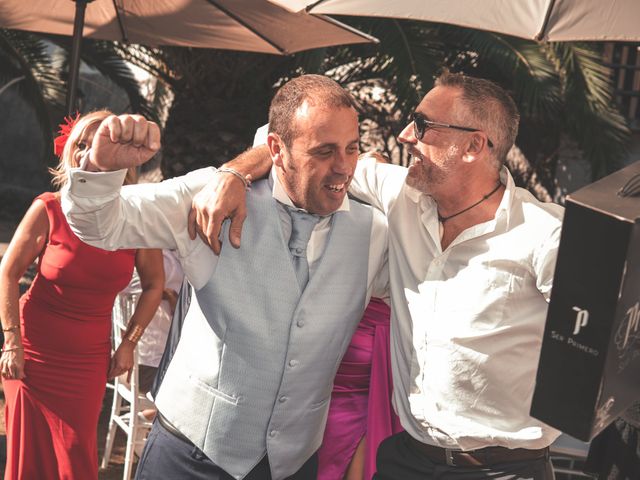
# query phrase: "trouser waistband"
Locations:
[[477, 458], [166, 424]]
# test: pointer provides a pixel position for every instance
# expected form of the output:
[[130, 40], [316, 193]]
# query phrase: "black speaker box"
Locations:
[[589, 370]]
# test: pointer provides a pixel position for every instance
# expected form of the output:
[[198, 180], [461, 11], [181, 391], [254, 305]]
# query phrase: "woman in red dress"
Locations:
[[56, 355]]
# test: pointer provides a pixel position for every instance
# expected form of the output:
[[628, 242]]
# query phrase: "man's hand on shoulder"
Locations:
[[223, 197], [124, 141]]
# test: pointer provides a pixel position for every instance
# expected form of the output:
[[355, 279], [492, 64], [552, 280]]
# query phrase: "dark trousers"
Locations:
[[169, 457], [399, 459]]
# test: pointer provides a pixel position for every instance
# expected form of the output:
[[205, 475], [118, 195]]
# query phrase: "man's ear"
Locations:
[[476, 144], [276, 149]]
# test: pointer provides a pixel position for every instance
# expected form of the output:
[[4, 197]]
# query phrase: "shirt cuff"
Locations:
[[95, 184]]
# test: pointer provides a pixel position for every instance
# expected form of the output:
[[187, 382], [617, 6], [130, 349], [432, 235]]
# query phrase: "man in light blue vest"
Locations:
[[246, 393]]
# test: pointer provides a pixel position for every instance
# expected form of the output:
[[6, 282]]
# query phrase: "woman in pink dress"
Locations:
[[360, 414]]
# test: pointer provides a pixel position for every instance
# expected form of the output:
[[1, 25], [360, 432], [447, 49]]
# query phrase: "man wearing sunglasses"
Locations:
[[471, 259]]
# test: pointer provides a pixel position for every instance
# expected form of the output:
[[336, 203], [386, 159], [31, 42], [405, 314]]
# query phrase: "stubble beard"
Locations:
[[427, 176]]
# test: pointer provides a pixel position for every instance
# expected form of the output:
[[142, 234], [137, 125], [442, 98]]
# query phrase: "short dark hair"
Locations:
[[489, 107], [316, 90]]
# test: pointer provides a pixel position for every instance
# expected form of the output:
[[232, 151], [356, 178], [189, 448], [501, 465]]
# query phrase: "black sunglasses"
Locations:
[[421, 125]]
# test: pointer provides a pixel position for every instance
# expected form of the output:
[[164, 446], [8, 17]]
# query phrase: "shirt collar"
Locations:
[[281, 196], [414, 194], [504, 209]]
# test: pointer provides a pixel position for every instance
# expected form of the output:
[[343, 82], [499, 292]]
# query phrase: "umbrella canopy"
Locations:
[[245, 25], [547, 20]]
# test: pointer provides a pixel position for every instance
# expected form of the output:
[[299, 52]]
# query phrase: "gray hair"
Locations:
[[488, 108]]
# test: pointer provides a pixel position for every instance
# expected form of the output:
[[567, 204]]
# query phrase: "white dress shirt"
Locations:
[[103, 213], [467, 322]]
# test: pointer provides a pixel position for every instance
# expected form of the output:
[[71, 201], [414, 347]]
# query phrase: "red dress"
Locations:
[[65, 318]]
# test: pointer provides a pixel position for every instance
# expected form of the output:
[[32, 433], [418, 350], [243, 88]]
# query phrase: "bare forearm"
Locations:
[[9, 310], [12, 357], [122, 360], [148, 303], [255, 162], [151, 271]]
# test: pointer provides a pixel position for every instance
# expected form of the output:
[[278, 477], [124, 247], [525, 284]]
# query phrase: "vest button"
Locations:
[[299, 251], [273, 433], [293, 363], [283, 399], [300, 323]]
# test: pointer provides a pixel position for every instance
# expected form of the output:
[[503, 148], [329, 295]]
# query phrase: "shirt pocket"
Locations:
[[476, 295]]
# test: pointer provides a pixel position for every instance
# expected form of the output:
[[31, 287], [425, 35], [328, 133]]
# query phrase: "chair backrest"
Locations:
[[568, 446], [127, 402], [567, 456]]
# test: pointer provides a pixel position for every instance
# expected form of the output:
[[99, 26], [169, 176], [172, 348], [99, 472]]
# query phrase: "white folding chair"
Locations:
[[567, 453], [127, 401]]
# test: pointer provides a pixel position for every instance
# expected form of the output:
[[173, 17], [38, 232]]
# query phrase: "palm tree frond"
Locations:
[[26, 55]]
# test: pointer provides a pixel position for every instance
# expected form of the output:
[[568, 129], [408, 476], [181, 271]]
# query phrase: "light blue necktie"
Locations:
[[302, 225]]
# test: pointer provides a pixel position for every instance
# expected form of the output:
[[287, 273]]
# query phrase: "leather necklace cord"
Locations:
[[444, 219]]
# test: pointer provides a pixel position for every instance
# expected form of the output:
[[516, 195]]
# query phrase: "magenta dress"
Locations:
[[361, 398]]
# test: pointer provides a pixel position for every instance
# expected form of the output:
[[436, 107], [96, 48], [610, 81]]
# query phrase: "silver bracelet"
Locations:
[[243, 179]]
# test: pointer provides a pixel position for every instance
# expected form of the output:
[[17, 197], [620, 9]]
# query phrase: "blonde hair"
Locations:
[[67, 159]]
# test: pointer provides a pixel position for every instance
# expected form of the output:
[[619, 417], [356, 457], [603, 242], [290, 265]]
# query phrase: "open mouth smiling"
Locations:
[[336, 188]]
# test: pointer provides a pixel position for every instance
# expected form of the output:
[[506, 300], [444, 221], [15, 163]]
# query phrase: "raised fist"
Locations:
[[124, 141]]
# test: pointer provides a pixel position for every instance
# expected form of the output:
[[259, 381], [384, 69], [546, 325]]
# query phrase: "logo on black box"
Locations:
[[628, 336], [582, 318], [632, 319]]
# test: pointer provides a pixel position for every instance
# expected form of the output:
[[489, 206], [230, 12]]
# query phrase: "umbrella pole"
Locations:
[[74, 67]]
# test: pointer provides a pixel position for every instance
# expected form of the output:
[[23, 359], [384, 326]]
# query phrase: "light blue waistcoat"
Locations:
[[252, 375]]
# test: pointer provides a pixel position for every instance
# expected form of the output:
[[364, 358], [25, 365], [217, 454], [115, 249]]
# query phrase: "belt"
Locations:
[[166, 424], [477, 458]]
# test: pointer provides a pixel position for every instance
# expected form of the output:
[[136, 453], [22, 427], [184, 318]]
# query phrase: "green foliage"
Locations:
[[562, 89], [23, 55], [44, 86], [590, 116]]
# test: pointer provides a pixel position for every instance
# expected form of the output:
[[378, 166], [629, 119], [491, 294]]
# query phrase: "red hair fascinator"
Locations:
[[63, 133]]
